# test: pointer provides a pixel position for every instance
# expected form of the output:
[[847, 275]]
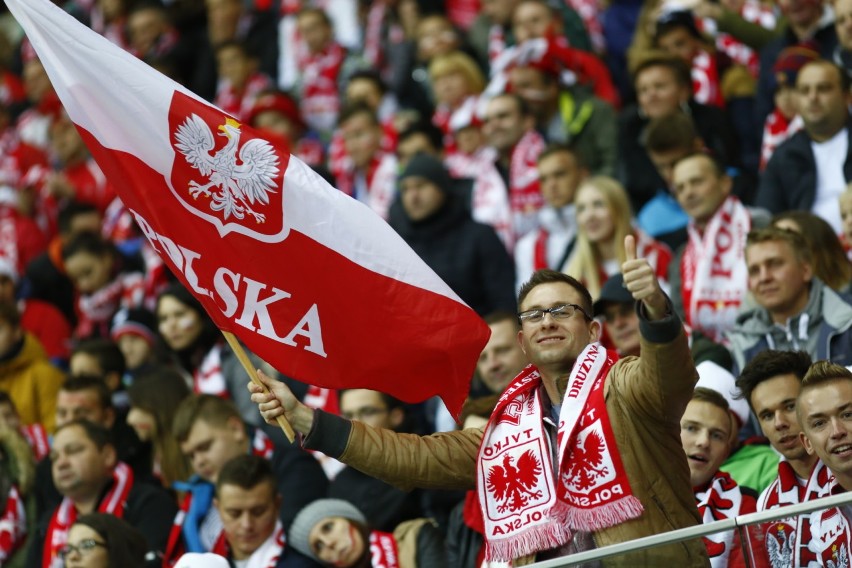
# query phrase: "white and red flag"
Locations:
[[308, 278]]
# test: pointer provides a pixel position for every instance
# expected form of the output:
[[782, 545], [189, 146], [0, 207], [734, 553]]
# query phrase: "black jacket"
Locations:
[[467, 255], [149, 509], [789, 181]]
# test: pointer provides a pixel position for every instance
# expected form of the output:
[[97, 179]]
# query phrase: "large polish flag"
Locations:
[[308, 278]]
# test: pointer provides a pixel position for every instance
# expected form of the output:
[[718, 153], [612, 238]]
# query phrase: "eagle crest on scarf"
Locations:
[[511, 484]]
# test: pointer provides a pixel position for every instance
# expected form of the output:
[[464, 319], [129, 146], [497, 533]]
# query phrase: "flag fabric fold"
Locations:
[[309, 279]]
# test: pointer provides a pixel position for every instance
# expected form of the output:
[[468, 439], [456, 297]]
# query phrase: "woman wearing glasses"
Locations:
[[99, 540]]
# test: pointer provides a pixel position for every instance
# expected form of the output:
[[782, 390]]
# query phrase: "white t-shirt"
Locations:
[[830, 181]]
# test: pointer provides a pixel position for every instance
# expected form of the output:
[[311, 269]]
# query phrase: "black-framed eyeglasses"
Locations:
[[83, 547], [560, 312]]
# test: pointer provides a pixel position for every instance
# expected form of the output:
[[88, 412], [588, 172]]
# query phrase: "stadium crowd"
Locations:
[[656, 194]]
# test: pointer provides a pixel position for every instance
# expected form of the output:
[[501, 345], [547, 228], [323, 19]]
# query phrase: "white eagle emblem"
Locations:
[[243, 180]]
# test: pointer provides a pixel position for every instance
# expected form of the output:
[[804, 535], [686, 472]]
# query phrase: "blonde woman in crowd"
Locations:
[[604, 218]]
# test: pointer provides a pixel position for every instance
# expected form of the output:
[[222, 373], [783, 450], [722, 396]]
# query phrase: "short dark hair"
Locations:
[[501, 316], [769, 364], [108, 354], [212, 409], [425, 128], [771, 233], [562, 148], [368, 75], [99, 435], [90, 243], [66, 215], [547, 276], [354, 109], [127, 546], [234, 44], [390, 401], [718, 167], [678, 68], [845, 81], [671, 132], [89, 382], [246, 472]]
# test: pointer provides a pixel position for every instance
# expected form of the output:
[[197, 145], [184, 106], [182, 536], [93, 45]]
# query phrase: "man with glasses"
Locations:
[[88, 475], [383, 505], [581, 451]]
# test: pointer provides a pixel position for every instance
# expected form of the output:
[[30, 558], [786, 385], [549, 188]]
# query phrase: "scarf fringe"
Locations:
[[601, 517], [536, 539]]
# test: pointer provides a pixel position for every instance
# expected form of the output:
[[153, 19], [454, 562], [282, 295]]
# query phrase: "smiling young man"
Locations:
[[795, 310], [771, 383], [708, 432], [622, 416], [824, 410]]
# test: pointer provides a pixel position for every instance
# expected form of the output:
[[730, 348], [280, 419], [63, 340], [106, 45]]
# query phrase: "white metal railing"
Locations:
[[697, 531]]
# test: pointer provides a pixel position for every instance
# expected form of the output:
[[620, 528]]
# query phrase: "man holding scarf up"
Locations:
[[582, 450]]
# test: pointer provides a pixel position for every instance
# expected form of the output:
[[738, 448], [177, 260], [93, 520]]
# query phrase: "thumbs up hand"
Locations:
[[641, 282]]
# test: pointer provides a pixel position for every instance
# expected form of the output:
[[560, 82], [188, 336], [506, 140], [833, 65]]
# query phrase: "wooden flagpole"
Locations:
[[252, 373]]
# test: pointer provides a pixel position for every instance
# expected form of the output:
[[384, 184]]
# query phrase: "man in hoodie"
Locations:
[[795, 310], [432, 215]]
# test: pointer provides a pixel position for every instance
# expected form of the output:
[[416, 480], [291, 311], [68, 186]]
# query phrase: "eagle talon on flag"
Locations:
[[308, 278]]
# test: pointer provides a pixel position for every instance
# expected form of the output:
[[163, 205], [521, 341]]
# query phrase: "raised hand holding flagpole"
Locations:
[[241, 354]]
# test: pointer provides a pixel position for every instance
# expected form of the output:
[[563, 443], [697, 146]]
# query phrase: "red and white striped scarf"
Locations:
[[496, 43], [805, 539], [705, 80], [384, 552], [240, 102], [372, 51], [720, 499], [713, 272], [525, 507], [208, 377], [66, 514], [266, 555], [525, 198], [320, 100], [776, 130], [36, 437], [95, 310], [13, 525]]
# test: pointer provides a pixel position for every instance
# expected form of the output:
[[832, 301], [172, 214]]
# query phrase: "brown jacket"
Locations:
[[646, 397]]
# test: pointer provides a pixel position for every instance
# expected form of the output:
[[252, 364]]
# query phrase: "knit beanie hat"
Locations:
[[428, 167], [136, 321], [315, 512]]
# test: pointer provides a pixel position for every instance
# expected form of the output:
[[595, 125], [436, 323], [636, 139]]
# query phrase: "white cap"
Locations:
[[201, 560], [717, 378]]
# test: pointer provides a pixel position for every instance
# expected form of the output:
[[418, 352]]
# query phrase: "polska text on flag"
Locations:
[[308, 278]]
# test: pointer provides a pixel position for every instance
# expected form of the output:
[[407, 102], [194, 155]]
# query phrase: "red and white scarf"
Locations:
[[13, 525], [705, 80], [776, 130], [66, 514], [799, 541], [496, 43], [320, 90], [95, 310], [720, 499], [384, 552], [525, 198], [714, 277], [525, 507], [240, 102], [266, 555], [36, 437], [208, 377]]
